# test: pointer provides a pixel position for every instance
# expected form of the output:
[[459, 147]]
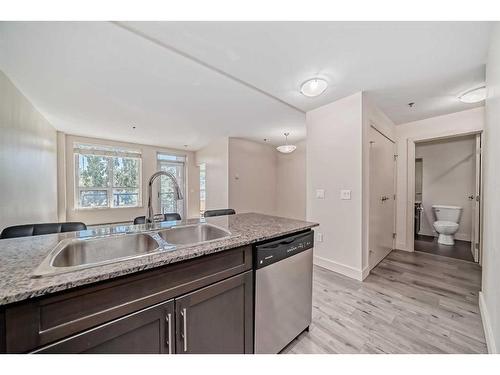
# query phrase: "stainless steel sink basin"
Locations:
[[192, 234], [99, 250], [76, 254]]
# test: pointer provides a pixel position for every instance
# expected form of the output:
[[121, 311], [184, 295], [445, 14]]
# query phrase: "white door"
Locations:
[[382, 197], [476, 205]]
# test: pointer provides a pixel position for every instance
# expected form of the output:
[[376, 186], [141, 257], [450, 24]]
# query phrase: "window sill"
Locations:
[[105, 208]]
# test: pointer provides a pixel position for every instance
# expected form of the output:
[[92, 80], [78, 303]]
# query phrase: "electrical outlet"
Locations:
[[319, 237]]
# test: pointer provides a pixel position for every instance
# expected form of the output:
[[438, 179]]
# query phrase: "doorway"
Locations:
[[447, 190], [382, 196]]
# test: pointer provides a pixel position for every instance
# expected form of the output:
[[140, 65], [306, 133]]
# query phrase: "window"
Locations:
[[107, 177], [203, 188], [166, 198]]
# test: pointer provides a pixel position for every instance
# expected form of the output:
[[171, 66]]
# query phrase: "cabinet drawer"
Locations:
[[148, 331], [45, 320]]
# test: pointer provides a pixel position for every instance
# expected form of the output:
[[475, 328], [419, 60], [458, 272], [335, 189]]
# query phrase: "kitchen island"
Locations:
[[194, 298]]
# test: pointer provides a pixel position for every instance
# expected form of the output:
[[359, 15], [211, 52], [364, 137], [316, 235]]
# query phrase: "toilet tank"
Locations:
[[447, 213]]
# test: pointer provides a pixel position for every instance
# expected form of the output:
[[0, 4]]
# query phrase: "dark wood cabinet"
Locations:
[[217, 318], [204, 305], [41, 322], [148, 331], [2, 331], [214, 319]]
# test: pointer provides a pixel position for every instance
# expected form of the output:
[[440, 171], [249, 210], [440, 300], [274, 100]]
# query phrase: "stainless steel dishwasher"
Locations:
[[283, 291]]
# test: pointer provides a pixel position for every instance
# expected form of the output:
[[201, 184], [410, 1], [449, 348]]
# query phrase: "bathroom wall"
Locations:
[[459, 123], [489, 298], [28, 160], [418, 179], [448, 178]]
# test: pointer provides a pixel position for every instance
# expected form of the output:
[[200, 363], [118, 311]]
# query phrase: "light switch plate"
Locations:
[[319, 237], [345, 194], [320, 194]]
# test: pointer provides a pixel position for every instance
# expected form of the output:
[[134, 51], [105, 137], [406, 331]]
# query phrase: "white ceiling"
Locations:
[[190, 82]]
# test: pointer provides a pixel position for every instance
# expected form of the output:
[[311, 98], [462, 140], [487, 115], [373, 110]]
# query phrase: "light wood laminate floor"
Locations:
[[410, 303]]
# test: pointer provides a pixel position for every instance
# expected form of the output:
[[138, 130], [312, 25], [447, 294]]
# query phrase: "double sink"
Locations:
[[75, 254]]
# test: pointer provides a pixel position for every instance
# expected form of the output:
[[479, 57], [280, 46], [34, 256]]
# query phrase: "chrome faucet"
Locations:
[[177, 189]]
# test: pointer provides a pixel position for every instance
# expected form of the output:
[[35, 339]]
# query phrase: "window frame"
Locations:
[[203, 166], [182, 163], [110, 153]]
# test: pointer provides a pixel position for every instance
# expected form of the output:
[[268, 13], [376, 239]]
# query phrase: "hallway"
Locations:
[[410, 303]]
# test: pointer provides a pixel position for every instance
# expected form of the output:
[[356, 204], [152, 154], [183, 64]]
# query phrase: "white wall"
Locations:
[[490, 296], [448, 179], [291, 183], [252, 176], [258, 177], [334, 162], [149, 166], [216, 157], [464, 122], [28, 160]]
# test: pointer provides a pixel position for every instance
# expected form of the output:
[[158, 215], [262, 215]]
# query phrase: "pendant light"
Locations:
[[286, 148]]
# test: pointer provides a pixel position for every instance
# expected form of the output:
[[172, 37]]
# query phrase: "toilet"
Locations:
[[446, 224]]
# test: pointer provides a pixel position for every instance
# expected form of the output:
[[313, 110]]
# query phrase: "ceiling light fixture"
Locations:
[[286, 148], [473, 96], [313, 87]]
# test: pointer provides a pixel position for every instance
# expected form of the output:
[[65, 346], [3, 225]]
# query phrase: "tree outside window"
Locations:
[[107, 177]]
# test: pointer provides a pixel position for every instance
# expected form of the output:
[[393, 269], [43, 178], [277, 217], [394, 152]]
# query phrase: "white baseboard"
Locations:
[[488, 332], [343, 269], [401, 246], [462, 237], [365, 272]]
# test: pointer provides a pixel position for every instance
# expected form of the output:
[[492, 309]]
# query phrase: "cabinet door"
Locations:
[[148, 331], [218, 318]]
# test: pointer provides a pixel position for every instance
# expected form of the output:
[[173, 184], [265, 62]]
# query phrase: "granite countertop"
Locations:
[[19, 257]]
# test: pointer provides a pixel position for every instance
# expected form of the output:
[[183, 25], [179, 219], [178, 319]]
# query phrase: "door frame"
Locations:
[[477, 219], [410, 167]]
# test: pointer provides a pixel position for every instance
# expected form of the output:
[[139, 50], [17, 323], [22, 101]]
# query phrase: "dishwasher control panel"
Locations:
[[274, 251]]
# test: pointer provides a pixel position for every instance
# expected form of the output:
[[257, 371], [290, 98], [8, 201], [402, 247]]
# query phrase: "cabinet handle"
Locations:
[[184, 328], [168, 318]]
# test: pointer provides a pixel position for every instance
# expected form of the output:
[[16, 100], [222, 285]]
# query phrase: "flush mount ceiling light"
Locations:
[[286, 148], [473, 96], [313, 87]]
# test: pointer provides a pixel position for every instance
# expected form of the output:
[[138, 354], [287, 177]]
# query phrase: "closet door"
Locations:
[[382, 197]]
